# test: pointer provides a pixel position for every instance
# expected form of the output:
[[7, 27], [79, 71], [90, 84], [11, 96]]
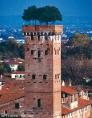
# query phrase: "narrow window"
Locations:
[[39, 103], [16, 105], [44, 77], [39, 37], [32, 52], [33, 76], [46, 52], [20, 76], [32, 38], [39, 53], [46, 37]]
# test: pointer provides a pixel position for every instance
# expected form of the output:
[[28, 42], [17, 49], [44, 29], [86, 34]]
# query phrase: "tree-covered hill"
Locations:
[[77, 59], [11, 49]]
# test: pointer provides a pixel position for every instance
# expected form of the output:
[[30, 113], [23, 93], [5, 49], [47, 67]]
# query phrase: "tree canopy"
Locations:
[[47, 14], [4, 68], [11, 49], [80, 39], [30, 13]]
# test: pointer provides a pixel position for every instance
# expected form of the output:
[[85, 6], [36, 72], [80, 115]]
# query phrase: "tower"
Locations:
[[43, 71]]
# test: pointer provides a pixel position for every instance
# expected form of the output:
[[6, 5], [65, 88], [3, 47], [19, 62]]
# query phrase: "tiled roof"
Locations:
[[11, 92], [65, 110], [69, 90], [81, 104], [8, 97]]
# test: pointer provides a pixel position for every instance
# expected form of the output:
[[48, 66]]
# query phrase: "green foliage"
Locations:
[[89, 83], [43, 14], [7, 68], [21, 68], [49, 14], [11, 49], [77, 59], [21, 51], [30, 14], [80, 46], [1, 69], [80, 39], [4, 68]]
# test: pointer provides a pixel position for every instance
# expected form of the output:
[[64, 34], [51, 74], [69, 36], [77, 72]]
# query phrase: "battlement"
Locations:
[[43, 28]]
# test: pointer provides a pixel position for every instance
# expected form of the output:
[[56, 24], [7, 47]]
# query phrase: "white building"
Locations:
[[18, 75]]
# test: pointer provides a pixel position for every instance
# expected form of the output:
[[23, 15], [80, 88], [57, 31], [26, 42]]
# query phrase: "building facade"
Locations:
[[18, 75], [43, 71], [75, 105]]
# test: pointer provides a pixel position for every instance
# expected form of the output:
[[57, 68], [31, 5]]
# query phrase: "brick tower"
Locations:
[[43, 71]]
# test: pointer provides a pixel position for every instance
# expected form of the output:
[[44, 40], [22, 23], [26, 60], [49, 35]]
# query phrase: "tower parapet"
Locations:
[[42, 33], [43, 28]]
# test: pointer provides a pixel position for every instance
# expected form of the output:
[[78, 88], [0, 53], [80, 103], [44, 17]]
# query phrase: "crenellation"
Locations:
[[43, 37]]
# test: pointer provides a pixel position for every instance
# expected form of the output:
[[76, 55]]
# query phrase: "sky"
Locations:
[[67, 7]]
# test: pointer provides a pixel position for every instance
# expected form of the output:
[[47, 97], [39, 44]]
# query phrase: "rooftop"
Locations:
[[81, 103], [69, 90], [14, 90], [42, 28], [8, 97], [11, 91]]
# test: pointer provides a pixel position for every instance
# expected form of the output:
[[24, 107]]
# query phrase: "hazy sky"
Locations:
[[67, 7]]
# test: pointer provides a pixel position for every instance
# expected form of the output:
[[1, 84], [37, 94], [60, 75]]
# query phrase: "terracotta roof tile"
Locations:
[[8, 97], [81, 104], [11, 92], [68, 90]]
